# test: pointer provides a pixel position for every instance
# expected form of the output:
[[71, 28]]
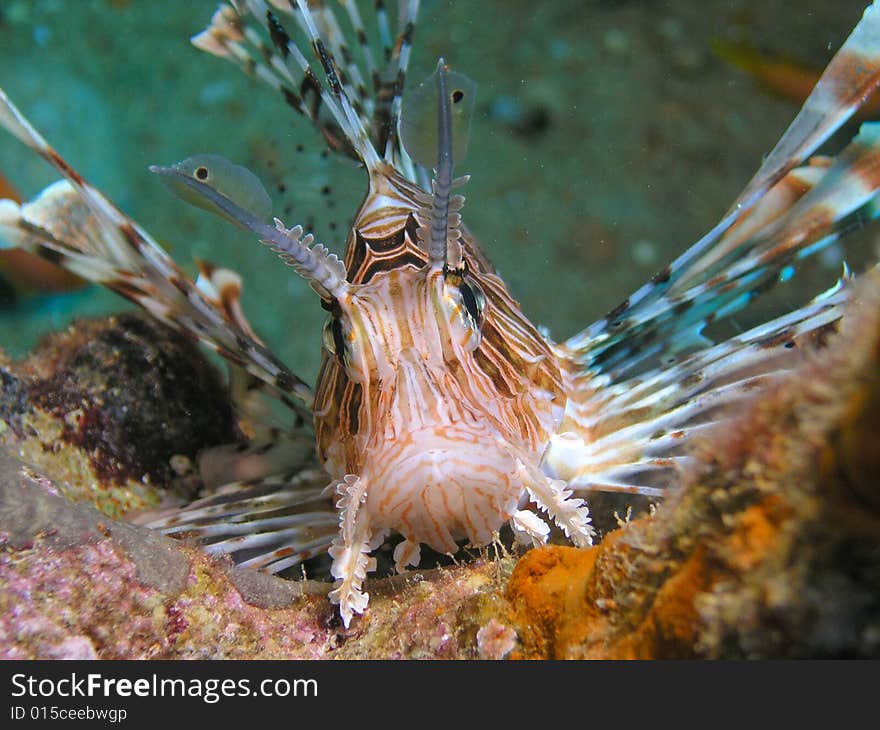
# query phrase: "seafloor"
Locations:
[[608, 136]]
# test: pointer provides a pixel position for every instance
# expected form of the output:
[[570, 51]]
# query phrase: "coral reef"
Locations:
[[76, 584], [771, 548]]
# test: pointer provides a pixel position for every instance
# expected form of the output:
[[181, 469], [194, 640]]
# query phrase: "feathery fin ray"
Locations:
[[113, 250], [355, 118], [850, 76], [646, 371]]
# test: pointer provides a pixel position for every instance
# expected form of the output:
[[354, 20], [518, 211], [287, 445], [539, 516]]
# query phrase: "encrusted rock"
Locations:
[[108, 407], [771, 548]]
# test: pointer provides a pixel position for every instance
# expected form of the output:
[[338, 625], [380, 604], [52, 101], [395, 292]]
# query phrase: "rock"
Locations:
[[106, 407], [77, 584], [771, 548]]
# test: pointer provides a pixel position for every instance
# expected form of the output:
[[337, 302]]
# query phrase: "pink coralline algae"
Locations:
[[96, 588], [495, 640]]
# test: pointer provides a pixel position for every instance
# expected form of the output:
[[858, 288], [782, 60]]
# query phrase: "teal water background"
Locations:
[[607, 138]]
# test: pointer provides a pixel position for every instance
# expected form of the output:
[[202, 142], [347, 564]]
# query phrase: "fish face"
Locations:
[[435, 403], [410, 402]]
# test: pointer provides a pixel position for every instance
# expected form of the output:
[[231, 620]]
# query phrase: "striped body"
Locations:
[[435, 411]]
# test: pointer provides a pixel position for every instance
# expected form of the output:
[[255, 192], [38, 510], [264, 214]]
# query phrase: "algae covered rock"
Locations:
[[106, 405], [77, 584], [770, 548]]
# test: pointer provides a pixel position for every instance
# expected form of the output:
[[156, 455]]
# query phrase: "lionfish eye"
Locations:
[[474, 301], [334, 340]]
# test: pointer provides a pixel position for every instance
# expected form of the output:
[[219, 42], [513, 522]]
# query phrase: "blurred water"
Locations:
[[607, 138]]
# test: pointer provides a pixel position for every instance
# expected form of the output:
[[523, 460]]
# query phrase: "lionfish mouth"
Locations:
[[437, 485]]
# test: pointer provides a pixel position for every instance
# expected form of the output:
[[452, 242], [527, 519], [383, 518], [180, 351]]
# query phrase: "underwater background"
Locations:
[[608, 136]]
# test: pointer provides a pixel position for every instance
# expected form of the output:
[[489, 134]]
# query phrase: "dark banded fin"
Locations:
[[356, 106], [804, 213], [646, 381], [75, 225], [642, 429], [847, 81], [389, 98]]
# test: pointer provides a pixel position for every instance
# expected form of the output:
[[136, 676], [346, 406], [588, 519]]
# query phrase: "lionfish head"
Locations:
[[438, 395]]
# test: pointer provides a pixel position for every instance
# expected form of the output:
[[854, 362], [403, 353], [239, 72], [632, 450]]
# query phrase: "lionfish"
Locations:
[[441, 413]]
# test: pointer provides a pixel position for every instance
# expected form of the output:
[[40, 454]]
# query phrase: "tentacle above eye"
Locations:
[[434, 128], [315, 263]]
